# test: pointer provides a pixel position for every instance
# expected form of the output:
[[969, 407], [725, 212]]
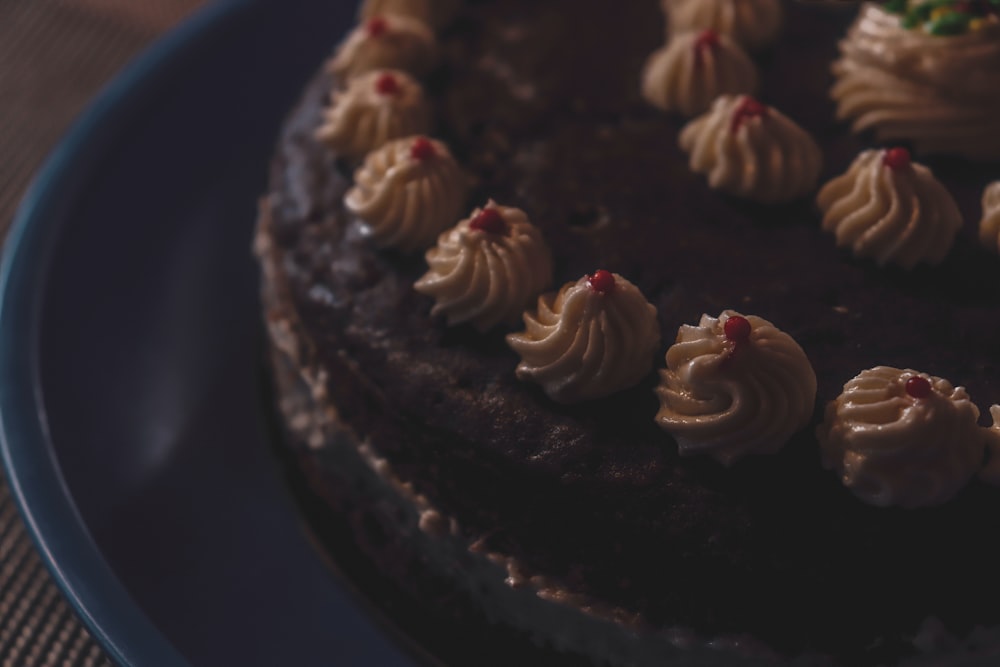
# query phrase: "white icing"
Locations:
[[362, 118], [691, 70], [407, 201], [753, 23], [581, 344], [938, 92], [485, 278], [890, 448], [989, 226], [435, 13], [400, 42], [728, 400], [894, 216], [766, 158]]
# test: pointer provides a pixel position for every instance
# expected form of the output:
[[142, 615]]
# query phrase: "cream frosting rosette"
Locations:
[[387, 41], [734, 386], [374, 108], [753, 23], [435, 13], [751, 150], [938, 92], [487, 268], [991, 472], [989, 226], [902, 438], [694, 68], [407, 192], [890, 209], [597, 336]]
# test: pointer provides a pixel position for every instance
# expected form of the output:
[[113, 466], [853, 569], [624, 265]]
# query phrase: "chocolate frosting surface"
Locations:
[[540, 102]]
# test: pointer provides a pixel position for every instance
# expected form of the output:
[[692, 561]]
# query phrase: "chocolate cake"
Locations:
[[577, 532]]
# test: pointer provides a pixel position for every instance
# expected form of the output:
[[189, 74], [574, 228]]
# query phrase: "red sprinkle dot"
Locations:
[[376, 27], [918, 387], [422, 149], [737, 329], [896, 159], [490, 221], [747, 108], [601, 281], [386, 84], [708, 39]]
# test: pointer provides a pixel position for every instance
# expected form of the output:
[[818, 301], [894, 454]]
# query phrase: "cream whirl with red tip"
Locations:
[[435, 13], [890, 209], [374, 108], [693, 69], [734, 386], [487, 268], [407, 192], [753, 23], [597, 336], [751, 150], [386, 41], [989, 226], [902, 438]]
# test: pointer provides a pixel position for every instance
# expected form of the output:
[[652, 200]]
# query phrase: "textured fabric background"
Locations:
[[54, 56]]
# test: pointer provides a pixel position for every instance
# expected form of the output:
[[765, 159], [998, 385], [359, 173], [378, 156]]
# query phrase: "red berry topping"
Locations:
[[918, 387], [708, 39], [737, 329], [386, 84], [376, 27], [490, 221], [601, 281], [422, 149], [747, 108], [896, 159]]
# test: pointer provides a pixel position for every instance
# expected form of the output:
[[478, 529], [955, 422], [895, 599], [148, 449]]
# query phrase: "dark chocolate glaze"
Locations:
[[539, 100]]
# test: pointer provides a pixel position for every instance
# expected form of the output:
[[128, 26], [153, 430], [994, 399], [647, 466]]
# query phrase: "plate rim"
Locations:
[[45, 504]]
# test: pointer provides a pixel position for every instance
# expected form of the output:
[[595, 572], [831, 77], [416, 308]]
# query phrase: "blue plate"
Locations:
[[129, 353]]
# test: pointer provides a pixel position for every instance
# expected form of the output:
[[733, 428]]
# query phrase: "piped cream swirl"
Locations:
[[435, 13], [752, 151], [991, 471], [487, 277], [694, 68], [938, 92], [388, 41], [583, 344], [753, 23], [890, 448], [405, 200], [375, 108], [900, 216], [731, 400], [989, 226]]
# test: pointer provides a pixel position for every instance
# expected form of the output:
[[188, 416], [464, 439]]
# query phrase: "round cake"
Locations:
[[580, 531]]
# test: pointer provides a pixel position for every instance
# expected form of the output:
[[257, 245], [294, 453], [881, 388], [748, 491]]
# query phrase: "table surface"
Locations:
[[55, 55]]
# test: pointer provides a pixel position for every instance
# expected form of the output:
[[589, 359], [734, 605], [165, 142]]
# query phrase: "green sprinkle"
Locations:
[[923, 12], [955, 22], [949, 24]]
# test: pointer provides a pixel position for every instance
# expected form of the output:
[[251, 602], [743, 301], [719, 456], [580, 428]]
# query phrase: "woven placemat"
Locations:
[[54, 56]]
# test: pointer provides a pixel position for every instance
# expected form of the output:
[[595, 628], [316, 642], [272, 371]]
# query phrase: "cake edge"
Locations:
[[549, 614]]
